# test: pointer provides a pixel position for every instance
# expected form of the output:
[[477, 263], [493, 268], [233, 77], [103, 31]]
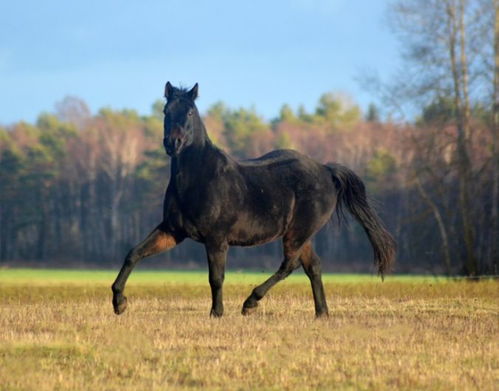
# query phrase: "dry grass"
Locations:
[[392, 335]]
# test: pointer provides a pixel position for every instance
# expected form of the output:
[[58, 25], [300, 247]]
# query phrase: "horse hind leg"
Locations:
[[291, 262], [312, 265]]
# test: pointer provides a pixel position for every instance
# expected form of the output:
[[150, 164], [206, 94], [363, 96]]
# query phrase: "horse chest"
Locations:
[[198, 215]]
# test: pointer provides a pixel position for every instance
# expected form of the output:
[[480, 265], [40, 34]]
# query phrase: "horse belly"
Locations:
[[253, 230], [251, 237]]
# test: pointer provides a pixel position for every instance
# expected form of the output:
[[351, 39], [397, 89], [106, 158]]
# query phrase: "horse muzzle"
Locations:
[[173, 146]]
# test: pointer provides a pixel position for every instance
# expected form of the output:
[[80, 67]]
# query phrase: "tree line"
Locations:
[[83, 188]]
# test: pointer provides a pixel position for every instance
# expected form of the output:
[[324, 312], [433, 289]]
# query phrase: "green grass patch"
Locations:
[[155, 277]]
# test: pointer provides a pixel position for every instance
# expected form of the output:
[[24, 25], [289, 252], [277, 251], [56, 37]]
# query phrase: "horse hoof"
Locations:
[[322, 315], [248, 310], [119, 305], [215, 314]]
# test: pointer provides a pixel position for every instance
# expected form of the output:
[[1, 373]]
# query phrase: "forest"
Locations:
[[80, 189]]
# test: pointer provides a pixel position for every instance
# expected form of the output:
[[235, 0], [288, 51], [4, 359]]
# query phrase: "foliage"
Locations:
[[380, 169], [89, 189], [337, 110], [372, 113], [440, 111]]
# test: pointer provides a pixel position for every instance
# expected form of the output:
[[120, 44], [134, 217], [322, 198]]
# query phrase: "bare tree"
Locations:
[[444, 47], [460, 80], [440, 222], [494, 216], [121, 150], [73, 110]]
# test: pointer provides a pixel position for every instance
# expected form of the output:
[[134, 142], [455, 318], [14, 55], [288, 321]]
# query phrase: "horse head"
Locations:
[[182, 120]]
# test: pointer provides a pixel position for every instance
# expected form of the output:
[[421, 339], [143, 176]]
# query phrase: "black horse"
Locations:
[[218, 201]]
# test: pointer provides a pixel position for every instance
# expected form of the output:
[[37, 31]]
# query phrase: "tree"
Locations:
[[440, 111], [73, 110], [380, 167], [337, 110], [120, 143], [157, 109], [372, 113], [494, 215], [245, 132], [444, 49], [12, 167], [286, 114]]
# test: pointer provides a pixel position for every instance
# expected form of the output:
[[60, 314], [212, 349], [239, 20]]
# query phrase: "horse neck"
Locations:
[[201, 138]]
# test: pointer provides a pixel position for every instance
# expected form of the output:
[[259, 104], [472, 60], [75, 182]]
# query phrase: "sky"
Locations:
[[253, 54]]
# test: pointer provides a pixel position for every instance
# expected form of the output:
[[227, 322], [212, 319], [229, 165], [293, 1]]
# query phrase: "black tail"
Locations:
[[352, 194]]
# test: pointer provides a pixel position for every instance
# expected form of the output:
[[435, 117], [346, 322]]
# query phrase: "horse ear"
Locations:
[[168, 90], [193, 93]]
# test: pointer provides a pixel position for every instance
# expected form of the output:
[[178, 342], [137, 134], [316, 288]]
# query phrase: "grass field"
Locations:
[[58, 332]]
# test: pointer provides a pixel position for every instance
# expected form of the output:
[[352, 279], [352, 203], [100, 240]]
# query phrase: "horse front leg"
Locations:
[[217, 256], [157, 241]]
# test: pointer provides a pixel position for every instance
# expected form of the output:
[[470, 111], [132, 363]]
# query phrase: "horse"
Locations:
[[219, 201]]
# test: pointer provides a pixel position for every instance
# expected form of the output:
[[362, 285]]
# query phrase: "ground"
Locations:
[[58, 331]]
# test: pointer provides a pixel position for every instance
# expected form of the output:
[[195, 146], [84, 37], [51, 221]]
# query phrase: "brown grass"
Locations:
[[395, 335]]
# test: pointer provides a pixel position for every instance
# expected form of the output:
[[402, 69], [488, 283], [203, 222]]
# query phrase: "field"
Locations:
[[58, 332]]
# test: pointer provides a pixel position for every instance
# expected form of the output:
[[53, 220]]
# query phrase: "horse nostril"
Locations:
[[172, 145]]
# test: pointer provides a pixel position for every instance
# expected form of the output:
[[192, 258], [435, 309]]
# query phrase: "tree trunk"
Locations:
[[494, 216], [461, 102], [440, 223], [41, 244]]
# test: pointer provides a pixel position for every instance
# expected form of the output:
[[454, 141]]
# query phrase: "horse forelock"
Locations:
[[179, 92]]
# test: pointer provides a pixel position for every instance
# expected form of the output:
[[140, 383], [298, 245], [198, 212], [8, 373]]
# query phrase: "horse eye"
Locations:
[[190, 112]]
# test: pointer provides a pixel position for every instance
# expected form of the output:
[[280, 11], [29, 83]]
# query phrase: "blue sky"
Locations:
[[258, 54]]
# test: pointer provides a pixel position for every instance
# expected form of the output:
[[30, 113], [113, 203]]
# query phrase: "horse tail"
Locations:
[[351, 193]]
